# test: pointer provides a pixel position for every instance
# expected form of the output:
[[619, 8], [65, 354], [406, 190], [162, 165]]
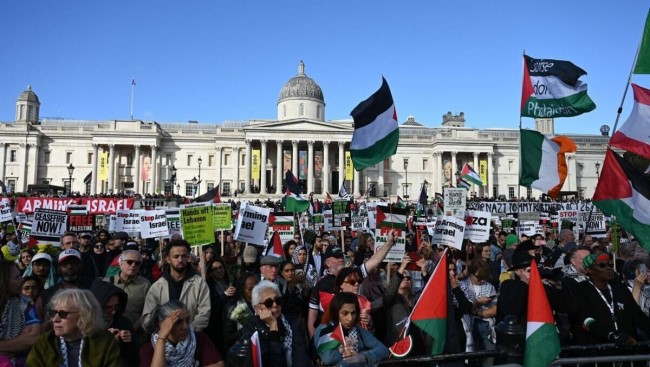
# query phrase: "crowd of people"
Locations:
[[107, 299]]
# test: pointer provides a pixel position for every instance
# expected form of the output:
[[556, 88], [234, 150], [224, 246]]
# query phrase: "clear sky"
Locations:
[[218, 60]]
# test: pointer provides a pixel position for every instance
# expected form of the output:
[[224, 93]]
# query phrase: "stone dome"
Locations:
[[301, 87], [29, 96]]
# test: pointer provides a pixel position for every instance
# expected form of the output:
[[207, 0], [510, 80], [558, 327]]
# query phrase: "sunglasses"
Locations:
[[99, 246], [131, 262], [604, 265], [268, 303], [217, 268], [62, 314]]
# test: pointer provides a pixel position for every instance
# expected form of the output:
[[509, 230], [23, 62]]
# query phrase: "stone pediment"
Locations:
[[302, 126]]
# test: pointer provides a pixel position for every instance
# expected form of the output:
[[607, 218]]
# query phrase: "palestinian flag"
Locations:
[[391, 217], [464, 183], [422, 200], [633, 135], [401, 202], [624, 192], [75, 209], [543, 164], [376, 130], [469, 175], [281, 219], [294, 203], [325, 298], [542, 338], [274, 248], [551, 89], [256, 350], [430, 312], [114, 267], [642, 65], [331, 337], [211, 195]]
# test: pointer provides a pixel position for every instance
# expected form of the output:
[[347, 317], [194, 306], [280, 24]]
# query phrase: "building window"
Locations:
[[529, 192], [129, 159], [46, 181], [46, 157], [68, 157], [226, 159], [13, 155], [425, 163], [90, 158], [88, 188], [11, 185], [318, 112], [22, 111], [169, 187], [242, 185], [301, 110], [225, 187], [189, 160], [210, 185], [510, 164], [243, 157], [189, 189], [581, 192], [511, 192], [495, 191], [211, 160], [168, 159]]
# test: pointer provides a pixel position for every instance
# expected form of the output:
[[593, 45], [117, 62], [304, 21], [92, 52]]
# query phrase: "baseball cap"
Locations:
[[42, 256], [131, 245], [66, 254], [250, 254], [333, 251], [86, 235]]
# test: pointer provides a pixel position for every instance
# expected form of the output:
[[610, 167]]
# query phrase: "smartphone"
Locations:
[[643, 268]]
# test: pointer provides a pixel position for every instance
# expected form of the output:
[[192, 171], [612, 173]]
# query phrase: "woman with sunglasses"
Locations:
[[78, 336], [173, 341], [19, 322], [360, 347], [282, 338]]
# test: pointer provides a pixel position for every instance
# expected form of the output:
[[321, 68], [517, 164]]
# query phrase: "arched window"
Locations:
[[301, 110]]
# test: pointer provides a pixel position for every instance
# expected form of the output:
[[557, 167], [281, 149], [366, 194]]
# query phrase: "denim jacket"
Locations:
[[368, 345]]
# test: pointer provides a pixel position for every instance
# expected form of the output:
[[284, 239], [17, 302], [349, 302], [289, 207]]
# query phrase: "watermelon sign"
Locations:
[[402, 347]]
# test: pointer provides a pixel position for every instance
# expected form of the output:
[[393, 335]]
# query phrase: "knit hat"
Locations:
[[250, 254], [593, 258], [511, 239]]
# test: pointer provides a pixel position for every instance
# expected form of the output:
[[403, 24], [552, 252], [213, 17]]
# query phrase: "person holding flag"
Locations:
[[342, 341]]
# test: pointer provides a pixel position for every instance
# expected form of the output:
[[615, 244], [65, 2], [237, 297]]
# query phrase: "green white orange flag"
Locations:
[[376, 130], [542, 338], [543, 162], [551, 89], [624, 192], [430, 312]]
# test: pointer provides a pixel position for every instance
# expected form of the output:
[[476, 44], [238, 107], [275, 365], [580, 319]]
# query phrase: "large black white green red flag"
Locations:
[[551, 89]]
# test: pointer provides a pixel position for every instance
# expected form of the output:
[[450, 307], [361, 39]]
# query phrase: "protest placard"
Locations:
[[566, 216], [79, 223], [6, 213], [251, 224], [455, 201], [371, 208], [48, 226], [127, 221], [341, 213], [596, 225], [359, 222], [197, 226], [398, 250], [282, 222], [449, 231], [527, 227], [222, 217], [153, 223], [477, 226], [328, 220], [173, 221]]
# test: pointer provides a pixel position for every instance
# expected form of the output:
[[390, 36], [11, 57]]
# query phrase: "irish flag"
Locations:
[[633, 135], [542, 338], [330, 338], [469, 175], [551, 89], [376, 130], [624, 192], [430, 312], [543, 164]]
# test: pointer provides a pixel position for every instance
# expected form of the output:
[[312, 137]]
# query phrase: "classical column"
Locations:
[[310, 166], [93, 179], [294, 157], [3, 148], [490, 175], [341, 163], [263, 167], [247, 170], [218, 169], [440, 173], [235, 153], [154, 170], [326, 167], [136, 175], [279, 167], [356, 182], [454, 169], [32, 171], [476, 169], [111, 168]]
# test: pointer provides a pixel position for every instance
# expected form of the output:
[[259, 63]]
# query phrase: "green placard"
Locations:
[[197, 225], [222, 217]]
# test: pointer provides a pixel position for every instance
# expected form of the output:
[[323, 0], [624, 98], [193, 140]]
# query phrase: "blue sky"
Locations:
[[215, 60]]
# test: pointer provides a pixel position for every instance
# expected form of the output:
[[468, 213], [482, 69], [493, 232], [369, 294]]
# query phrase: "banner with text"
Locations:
[[478, 226], [222, 217], [153, 223], [396, 253], [449, 231], [197, 226], [251, 224]]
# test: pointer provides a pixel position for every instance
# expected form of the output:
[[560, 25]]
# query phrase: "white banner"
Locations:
[[527, 227], [50, 223], [477, 226], [449, 231], [251, 224], [396, 253], [506, 207], [127, 221], [328, 220], [6, 214], [454, 200], [153, 223]]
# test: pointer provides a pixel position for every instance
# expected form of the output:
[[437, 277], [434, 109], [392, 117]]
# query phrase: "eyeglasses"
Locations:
[[131, 262], [62, 314], [353, 282], [604, 265], [268, 303]]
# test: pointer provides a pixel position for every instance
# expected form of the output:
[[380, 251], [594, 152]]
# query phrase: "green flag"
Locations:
[[642, 65]]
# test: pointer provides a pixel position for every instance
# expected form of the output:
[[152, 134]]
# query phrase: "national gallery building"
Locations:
[[250, 158]]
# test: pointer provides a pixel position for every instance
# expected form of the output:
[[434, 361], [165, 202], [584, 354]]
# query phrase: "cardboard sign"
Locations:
[[455, 200], [359, 222], [371, 208], [328, 219], [222, 217], [173, 216], [82, 223], [251, 224], [477, 226], [153, 223], [284, 223], [341, 213], [596, 225], [527, 227], [449, 231], [49, 223], [570, 216], [396, 253], [196, 225], [6, 214], [127, 221]]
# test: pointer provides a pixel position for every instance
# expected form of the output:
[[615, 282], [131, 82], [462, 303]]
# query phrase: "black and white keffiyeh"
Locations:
[[181, 354]]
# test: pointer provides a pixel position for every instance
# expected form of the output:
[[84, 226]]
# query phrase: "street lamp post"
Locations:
[[178, 189], [194, 181], [70, 172], [406, 176], [173, 179], [597, 164]]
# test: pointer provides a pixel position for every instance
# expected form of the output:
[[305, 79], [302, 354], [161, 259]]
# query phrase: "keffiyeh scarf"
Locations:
[[181, 354]]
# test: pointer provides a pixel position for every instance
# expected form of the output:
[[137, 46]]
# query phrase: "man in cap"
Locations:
[[567, 241], [513, 293], [70, 241], [69, 269], [607, 309]]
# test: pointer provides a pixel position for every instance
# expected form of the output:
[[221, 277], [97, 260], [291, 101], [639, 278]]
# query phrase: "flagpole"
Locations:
[[132, 93], [627, 86]]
